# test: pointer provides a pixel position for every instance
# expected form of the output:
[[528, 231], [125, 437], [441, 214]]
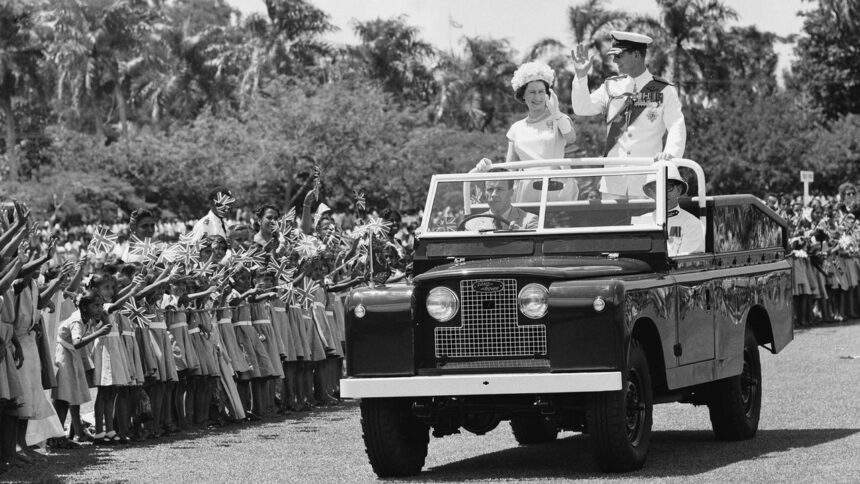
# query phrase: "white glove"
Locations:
[[483, 166], [561, 121]]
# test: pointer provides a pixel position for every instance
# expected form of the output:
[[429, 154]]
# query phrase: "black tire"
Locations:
[[735, 402], [394, 439], [533, 429], [620, 422]]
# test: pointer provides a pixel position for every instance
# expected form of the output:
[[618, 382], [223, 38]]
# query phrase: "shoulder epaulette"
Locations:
[[664, 81]]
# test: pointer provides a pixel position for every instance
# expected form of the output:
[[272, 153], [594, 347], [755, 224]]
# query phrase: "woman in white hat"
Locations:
[[543, 133]]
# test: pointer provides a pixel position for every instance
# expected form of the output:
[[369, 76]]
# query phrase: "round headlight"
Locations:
[[442, 304], [533, 301], [599, 304]]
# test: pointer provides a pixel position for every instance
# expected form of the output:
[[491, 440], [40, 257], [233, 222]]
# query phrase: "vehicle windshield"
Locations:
[[546, 201]]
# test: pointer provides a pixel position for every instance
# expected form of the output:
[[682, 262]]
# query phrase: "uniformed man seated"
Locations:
[[502, 214], [686, 232]]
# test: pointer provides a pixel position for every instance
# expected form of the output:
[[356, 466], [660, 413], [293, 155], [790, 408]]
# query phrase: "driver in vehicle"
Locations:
[[686, 232], [502, 214]]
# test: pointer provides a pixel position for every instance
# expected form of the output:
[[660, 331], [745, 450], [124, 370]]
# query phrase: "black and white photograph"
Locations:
[[336, 241]]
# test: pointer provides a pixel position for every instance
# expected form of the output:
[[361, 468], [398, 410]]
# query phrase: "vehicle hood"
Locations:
[[543, 267]]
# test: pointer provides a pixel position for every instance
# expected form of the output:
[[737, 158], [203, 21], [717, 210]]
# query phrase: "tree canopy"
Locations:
[[109, 105]]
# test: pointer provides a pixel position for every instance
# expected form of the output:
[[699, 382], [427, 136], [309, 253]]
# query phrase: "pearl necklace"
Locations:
[[530, 119]]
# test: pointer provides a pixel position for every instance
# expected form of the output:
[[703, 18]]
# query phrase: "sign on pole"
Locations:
[[806, 178]]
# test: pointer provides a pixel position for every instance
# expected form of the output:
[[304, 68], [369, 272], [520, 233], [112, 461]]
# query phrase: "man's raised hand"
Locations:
[[581, 60]]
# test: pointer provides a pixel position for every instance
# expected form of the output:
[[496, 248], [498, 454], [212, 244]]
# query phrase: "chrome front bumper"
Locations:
[[487, 384]]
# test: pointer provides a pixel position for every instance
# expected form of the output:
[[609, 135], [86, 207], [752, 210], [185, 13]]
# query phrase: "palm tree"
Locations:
[[176, 80], [391, 52], [20, 53], [93, 47], [590, 24], [118, 51], [68, 46], [475, 90], [285, 43], [689, 24]]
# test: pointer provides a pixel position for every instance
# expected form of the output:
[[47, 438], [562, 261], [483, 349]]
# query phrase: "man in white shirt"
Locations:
[[502, 214], [639, 109], [686, 232], [220, 203]]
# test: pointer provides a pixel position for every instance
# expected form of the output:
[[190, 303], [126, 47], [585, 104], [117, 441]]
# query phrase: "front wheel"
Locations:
[[395, 440], [620, 422], [735, 402]]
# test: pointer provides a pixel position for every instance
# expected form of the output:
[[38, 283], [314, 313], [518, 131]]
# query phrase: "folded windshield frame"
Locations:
[[544, 175]]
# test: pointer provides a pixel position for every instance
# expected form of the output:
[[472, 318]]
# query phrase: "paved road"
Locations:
[[810, 432]]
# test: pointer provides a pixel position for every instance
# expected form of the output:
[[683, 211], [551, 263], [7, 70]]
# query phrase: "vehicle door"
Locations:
[[696, 316]]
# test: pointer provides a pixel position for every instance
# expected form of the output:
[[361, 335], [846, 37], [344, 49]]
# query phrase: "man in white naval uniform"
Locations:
[[640, 109], [686, 232], [220, 202]]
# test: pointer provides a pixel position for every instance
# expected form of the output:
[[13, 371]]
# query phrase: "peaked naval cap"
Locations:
[[622, 41]]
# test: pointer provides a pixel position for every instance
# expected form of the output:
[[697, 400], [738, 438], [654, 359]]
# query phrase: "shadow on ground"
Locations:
[[60, 465], [570, 458]]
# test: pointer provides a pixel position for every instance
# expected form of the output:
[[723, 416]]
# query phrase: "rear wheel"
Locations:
[[533, 429], [395, 440], [620, 422], [735, 402]]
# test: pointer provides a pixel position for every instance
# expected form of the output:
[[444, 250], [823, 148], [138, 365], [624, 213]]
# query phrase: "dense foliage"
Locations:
[[108, 105]]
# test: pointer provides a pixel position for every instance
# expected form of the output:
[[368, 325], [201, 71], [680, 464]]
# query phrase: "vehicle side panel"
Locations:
[[736, 292]]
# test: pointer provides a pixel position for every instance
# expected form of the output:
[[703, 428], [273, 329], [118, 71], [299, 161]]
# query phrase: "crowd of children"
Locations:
[[211, 329], [825, 255]]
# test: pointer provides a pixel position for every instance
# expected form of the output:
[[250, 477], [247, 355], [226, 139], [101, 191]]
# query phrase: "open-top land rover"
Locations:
[[574, 318]]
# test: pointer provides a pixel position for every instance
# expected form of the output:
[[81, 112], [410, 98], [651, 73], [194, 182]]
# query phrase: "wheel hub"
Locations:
[[749, 386], [635, 407]]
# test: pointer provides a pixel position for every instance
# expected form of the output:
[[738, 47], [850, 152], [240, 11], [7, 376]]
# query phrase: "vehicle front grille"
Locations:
[[489, 325], [493, 364]]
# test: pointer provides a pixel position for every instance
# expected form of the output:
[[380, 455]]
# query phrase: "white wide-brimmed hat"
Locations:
[[532, 71]]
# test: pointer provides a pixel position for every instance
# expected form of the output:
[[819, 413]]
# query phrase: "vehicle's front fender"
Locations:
[[382, 342]]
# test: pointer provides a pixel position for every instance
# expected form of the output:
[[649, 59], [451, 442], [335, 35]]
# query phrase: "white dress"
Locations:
[[539, 141]]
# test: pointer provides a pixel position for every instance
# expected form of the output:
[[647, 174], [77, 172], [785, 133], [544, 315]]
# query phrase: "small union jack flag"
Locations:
[[136, 313], [375, 226], [448, 224], [317, 181], [283, 271], [224, 199], [187, 256], [204, 269], [360, 203], [308, 246], [285, 223], [168, 255], [188, 239], [305, 292], [251, 258], [287, 294], [103, 241], [142, 247]]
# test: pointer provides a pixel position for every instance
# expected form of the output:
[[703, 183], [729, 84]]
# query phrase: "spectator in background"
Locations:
[[220, 204]]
